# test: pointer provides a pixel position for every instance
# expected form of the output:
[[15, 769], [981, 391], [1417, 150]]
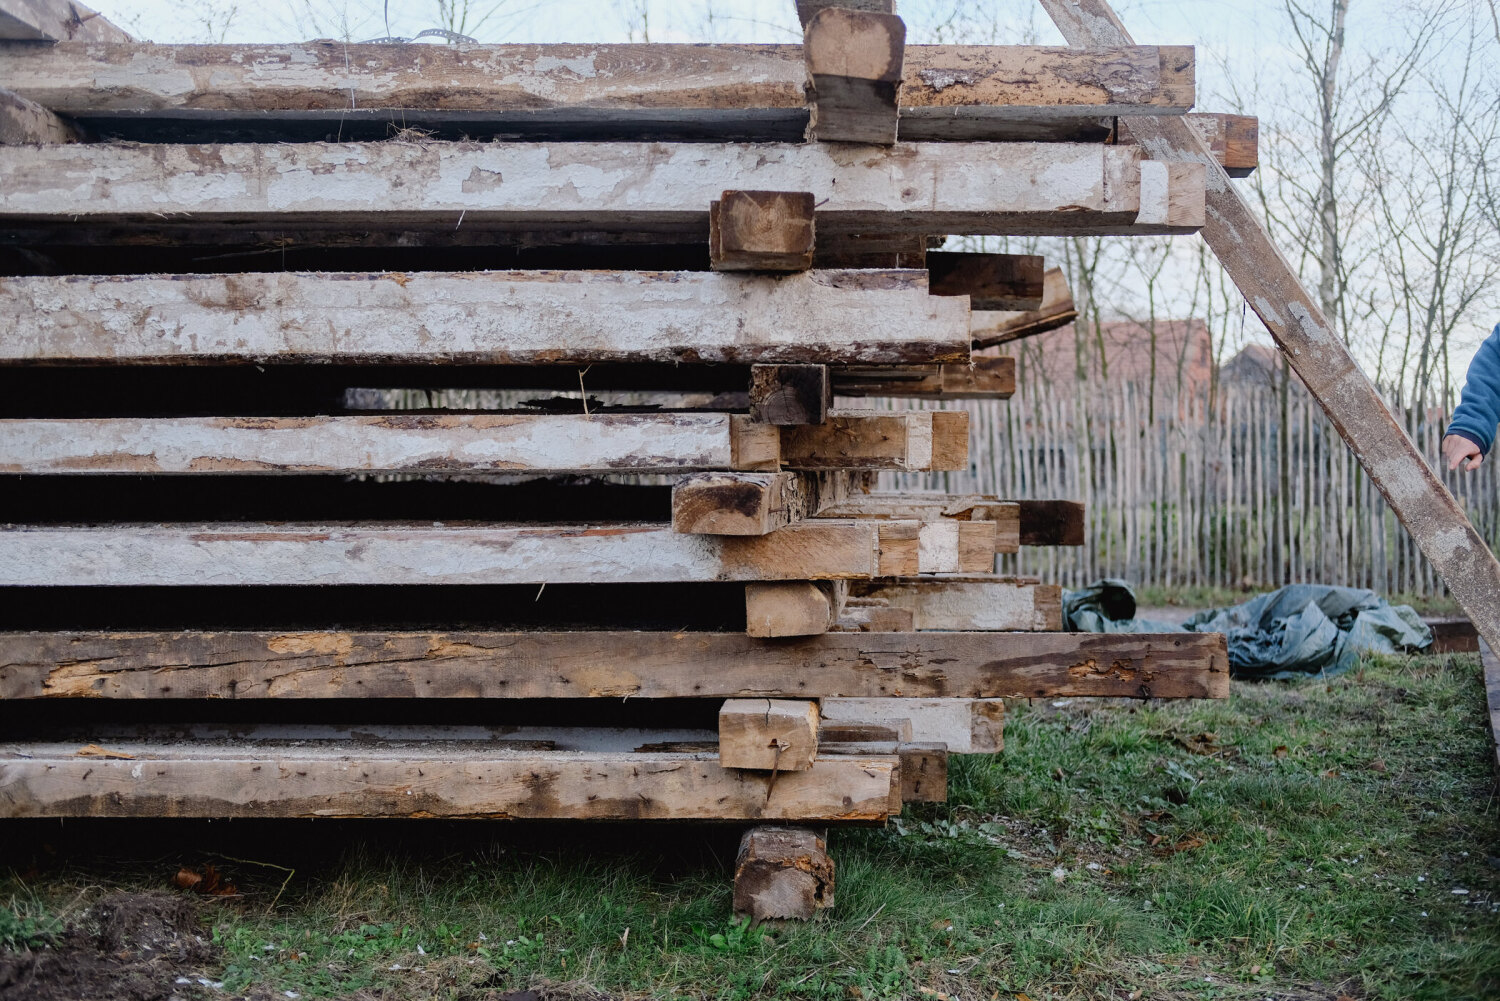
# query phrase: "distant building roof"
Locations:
[[1183, 355]]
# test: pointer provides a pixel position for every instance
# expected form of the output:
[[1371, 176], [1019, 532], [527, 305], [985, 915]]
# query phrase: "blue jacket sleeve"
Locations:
[[1478, 410]]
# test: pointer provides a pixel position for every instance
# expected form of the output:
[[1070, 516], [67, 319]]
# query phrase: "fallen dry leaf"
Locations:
[[95, 751], [208, 882], [1378, 765], [1280, 751]]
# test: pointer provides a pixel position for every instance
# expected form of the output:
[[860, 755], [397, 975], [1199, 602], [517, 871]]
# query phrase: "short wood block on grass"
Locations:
[[991, 281], [790, 394], [761, 231], [782, 873], [532, 664], [854, 70], [492, 318], [965, 726], [236, 779], [568, 188], [793, 607], [768, 734]]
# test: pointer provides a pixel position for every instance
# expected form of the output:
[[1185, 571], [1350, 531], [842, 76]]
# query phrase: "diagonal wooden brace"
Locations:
[[1315, 351]]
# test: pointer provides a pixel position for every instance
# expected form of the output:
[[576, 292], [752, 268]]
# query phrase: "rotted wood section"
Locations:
[[239, 779], [582, 664]]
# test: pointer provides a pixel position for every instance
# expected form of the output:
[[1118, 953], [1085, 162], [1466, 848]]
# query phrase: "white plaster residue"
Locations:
[[1155, 194]]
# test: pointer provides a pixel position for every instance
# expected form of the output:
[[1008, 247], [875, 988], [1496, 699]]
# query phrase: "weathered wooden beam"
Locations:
[[782, 873], [957, 546], [23, 121], [1316, 352], [790, 394], [792, 607], [583, 664], [502, 317], [998, 327], [809, 9], [1052, 523], [751, 503], [306, 91], [1234, 140], [55, 21], [991, 281], [252, 554], [924, 764], [966, 726], [768, 734], [761, 231], [226, 780], [866, 439], [981, 378], [950, 440], [659, 188], [413, 443], [966, 605], [1006, 515], [854, 70]]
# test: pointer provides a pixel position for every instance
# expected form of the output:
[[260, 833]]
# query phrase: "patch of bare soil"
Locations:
[[127, 947]]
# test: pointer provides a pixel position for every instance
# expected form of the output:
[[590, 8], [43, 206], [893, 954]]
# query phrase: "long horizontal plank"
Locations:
[[931, 507], [574, 91], [401, 443], [273, 554], [503, 317], [980, 378], [574, 664], [955, 188], [219, 780]]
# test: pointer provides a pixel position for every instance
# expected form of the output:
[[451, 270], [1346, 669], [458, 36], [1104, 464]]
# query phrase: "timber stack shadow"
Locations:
[[484, 431]]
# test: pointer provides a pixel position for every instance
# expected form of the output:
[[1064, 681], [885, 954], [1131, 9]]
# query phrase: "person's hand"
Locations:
[[1458, 450]]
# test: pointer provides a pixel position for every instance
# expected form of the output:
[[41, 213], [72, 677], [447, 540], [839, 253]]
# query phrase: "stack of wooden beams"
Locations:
[[258, 562]]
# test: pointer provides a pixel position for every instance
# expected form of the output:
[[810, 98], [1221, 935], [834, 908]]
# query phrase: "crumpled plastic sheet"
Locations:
[[1292, 632]]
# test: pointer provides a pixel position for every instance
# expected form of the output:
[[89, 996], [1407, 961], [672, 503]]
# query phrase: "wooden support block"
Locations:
[[790, 394], [752, 503], [900, 548], [991, 281], [854, 64], [768, 734], [930, 507], [957, 546], [554, 191], [23, 121], [808, 9], [1234, 140], [226, 779], [491, 318], [338, 664], [981, 378], [950, 440], [969, 604], [55, 21], [1052, 523], [782, 873], [1172, 195], [924, 765], [966, 726], [793, 607], [248, 554], [872, 615], [414, 443], [761, 231], [989, 329], [865, 439]]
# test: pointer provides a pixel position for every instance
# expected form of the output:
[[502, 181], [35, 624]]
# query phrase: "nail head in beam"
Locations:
[[768, 734], [991, 281], [761, 231], [854, 62], [790, 394]]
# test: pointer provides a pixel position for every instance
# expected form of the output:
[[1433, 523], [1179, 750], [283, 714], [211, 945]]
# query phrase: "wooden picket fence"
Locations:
[[1225, 494]]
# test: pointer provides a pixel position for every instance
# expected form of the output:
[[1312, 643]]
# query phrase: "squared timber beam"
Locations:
[[1005, 515], [768, 734], [793, 607], [533, 664], [761, 231], [989, 329], [854, 70], [1234, 140], [493, 318], [23, 122], [585, 187], [966, 726], [924, 765], [751, 503], [967, 604], [982, 378], [790, 394], [991, 281]]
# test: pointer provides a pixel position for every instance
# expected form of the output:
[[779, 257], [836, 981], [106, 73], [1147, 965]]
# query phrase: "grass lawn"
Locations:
[[1315, 840]]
